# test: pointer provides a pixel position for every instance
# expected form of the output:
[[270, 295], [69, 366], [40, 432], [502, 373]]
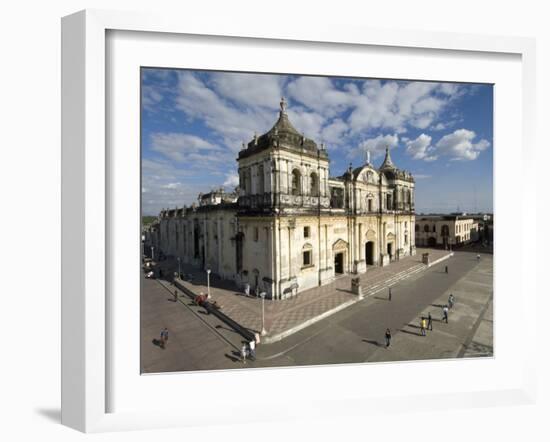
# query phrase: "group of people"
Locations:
[[248, 351], [426, 323], [247, 290]]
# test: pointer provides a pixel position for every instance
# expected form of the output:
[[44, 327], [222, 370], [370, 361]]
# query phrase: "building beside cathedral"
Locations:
[[446, 230], [292, 226]]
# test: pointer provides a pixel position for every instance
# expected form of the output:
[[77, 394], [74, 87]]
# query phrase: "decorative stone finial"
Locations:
[[368, 156], [283, 105]]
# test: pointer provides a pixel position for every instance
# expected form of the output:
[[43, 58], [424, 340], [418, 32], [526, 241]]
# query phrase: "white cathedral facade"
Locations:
[[292, 226]]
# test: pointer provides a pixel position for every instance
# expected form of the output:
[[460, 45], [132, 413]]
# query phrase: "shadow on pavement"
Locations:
[[234, 356], [372, 342], [410, 332]]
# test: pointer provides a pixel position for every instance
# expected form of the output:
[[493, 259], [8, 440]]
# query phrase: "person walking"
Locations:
[[388, 337], [243, 353], [389, 294], [446, 314], [451, 300], [163, 337], [446, 269], [252, 348], [247, 289], [478, 257], [423, 326], [175, 296], [430, 325]]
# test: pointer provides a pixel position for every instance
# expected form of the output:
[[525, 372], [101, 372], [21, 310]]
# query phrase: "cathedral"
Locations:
[[290, 226]]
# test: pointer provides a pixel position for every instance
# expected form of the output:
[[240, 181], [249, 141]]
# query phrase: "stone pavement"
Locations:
[[283, 317], [353, 335], [469, 332]]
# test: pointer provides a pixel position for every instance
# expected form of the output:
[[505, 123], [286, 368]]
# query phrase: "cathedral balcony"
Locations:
[[305, 201]]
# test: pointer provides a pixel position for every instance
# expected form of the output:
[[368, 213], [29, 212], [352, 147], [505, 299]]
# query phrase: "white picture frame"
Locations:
[[85, 201]]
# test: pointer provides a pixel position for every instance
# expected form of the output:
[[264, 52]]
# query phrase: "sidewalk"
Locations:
[[284, 317]]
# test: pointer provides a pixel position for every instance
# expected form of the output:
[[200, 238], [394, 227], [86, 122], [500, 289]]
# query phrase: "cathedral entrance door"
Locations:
[[369, 253], [390, 250], [339, 263]]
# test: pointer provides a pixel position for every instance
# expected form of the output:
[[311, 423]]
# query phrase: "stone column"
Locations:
[[290, 273], [219, 233]]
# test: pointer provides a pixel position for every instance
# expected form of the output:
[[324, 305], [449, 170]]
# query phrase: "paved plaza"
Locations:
[[354, 334], [284, 317]]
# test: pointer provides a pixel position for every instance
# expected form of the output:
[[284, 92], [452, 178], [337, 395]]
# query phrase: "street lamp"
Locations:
[[153, 253], [263, 332], [208, 281]]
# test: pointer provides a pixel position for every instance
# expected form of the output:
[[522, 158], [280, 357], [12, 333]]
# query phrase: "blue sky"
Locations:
[[194, 122]]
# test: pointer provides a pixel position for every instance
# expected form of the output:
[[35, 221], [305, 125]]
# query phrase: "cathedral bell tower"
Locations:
[[282, 170]]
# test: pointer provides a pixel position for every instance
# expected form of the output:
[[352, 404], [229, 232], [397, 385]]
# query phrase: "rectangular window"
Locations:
[[369, 203], [307, 232], [256, 233], [307, 258]]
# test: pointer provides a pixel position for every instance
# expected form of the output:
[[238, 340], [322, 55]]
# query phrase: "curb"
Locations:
[[245, 333], [443, 258], [311, 321], [374, 290]]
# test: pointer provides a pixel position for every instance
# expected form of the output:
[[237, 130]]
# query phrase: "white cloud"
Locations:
[[256, 90], [376, 146], [320, 95], [171, 186], [310, 123], [421, 148], [397, 105], [231, 180], [459, 145], [449, 88], [231, 123], [334, 132], [179, 146]]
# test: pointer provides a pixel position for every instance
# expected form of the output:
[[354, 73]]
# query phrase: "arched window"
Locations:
[[296, 182], [307, 255], [433, 228], [426, 228], [313, 184]]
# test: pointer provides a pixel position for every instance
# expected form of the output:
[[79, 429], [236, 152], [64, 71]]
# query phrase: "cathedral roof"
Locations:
[[282, 134]]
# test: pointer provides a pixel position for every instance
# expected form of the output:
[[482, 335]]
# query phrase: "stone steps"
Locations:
[[379, 286]]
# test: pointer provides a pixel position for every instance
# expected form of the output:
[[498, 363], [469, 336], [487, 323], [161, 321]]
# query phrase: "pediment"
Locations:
[[340, 245]]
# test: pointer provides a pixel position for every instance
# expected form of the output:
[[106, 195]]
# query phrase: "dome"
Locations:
[[282, 134]]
